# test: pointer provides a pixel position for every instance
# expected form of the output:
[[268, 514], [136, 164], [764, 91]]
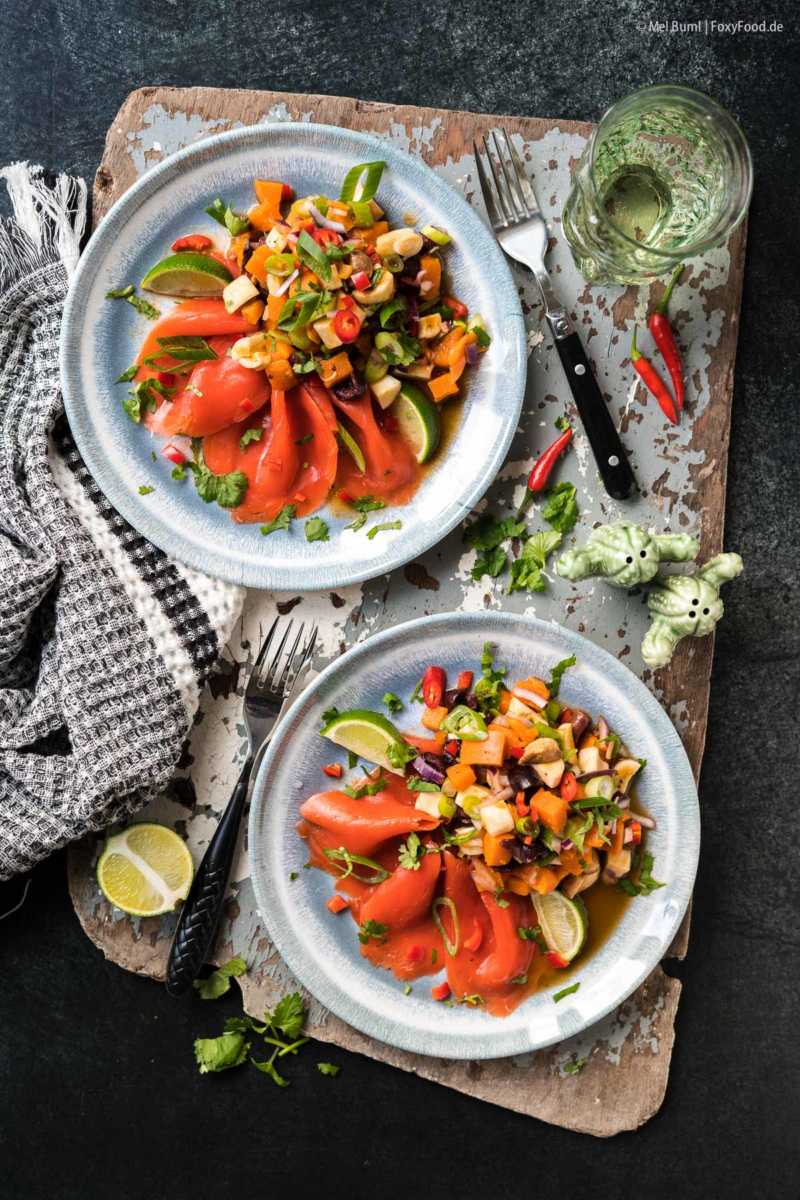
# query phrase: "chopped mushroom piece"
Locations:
[[542, 750], [617, 866], [579, 883]]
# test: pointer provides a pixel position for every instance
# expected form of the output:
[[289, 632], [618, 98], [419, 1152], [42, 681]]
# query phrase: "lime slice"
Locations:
[[367, 734], [564, 923], [419, 421], [187, 274], [145, 870]]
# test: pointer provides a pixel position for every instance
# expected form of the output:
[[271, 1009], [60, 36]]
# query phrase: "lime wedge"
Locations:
[[564, 923], [419, 421], [367, 734], [145, 870], [187, 274]]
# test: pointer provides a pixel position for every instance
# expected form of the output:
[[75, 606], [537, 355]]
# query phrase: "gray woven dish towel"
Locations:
[[105, 642]]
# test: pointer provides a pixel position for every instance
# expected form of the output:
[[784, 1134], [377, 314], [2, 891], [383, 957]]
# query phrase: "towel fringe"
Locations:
[[48, 223]]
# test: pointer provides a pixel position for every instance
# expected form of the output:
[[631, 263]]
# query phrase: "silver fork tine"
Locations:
[[486, 188], [269, 675], [280, 686], [506, 202], [306, 655], [514, 194], [522, 178], [262, 654]]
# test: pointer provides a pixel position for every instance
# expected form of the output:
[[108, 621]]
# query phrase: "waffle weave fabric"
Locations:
[[105, 642]]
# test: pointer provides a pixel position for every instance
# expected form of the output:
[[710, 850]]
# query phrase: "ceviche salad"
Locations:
[[310, 352], [471, 846]]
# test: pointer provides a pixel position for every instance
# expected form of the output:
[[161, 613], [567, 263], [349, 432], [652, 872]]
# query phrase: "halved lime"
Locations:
[[367, 734], [564, 923], [419, 421], [145, 870], [187, 274]]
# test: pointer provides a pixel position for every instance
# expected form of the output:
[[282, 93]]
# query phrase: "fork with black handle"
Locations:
[[270, 688], [520, 229]]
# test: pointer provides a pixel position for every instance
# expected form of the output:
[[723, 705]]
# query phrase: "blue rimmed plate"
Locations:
[[100, 339], [323, 951]]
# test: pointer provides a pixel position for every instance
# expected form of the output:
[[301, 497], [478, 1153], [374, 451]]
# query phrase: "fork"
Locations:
[[520, 229], [269, 691]]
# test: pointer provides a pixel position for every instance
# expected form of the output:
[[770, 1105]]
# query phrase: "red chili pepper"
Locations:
[[653, 381], [287, 191], [664, 338], [415, 954], [360, 281], [434, 682], [345, 497], [451, 747], [347, 302], [337, 904], [543, 467], [195, 241], [459, 310], [556, 960], [522, 808], [334, 770], [390, 423], [474, 940], [346, 325], [167, 378], [569, 787], [441, 991], [515, 752], [636, 830], [325, 237], [464, 681]]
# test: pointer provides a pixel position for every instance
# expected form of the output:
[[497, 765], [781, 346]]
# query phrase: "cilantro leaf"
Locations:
[[364, 505], [399, 753], [289, 1015], [526, 571], [487, 689], [561, 507], [421, 785], [250, 435], [326, 1068], [282, 521], [410, 853], [178, 473], [574, 1066], [557, 673], [268, 1068], [128, 374], [219, 981], [145, 489], [392, 702], [492, 563], [227, 490], [646, 882], [220, 1053], [487, 532], [316, 530]]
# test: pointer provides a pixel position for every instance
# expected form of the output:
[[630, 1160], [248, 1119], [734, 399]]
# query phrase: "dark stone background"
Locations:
[[99, 1095]]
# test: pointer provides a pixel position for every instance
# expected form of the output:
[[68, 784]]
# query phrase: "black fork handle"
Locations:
[[612, 459], [200, 915]]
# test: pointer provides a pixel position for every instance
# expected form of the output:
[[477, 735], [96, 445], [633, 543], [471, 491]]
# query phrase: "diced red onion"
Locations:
[[503, 722], [602, 728], [645, 822], [620, 800], [173, 454], [427, 772], [287, 283], [555, 845], [471, 354], [500, 797], [525, 694], [613, 828], [628, 837], [323, 222], [567, 844]]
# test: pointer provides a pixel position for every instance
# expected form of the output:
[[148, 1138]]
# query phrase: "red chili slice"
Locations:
[[346, 325], [434, 682]]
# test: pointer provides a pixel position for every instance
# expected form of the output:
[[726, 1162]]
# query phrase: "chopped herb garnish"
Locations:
[[421, 785], [567, 991], [392, 702], [487, 689], [326, 1068], [220, 1053], [364, 505], [376, 529], [313, 256], [491, 562], [226, 490], [557, 673], [178, 473], [227, 218], [407, 990], [250, 435], [307, 437], [562, 423], [128, 293], [187, 349], [374, 931], [145, 489], [282, 521], [350, 861], [520, 979], [410, 853], [316, 530], [400, 753], [486, 533], [434, 957], [526, 571], [574, 1066], [292, 876], [128, 374]]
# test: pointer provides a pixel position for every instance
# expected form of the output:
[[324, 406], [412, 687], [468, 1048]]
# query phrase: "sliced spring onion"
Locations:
[[361, 182], [446, 902], [438, 236], [313, 256], [351, 860]]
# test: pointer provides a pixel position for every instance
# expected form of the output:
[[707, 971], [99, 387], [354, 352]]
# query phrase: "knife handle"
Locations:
[[612, 460], [200, 915]]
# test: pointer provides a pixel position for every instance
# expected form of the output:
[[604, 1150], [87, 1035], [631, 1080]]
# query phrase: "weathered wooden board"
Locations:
[[682, 477]]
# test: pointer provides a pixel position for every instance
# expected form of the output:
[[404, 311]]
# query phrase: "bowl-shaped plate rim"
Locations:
[[497, 1042], [147, 519]]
